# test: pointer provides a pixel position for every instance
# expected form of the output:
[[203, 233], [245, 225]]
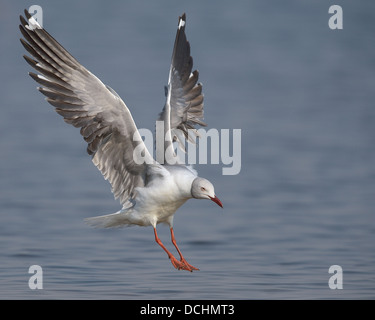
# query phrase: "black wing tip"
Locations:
[[27, 14], [27, 23], [182, 21], [29, 60], [22, 19]]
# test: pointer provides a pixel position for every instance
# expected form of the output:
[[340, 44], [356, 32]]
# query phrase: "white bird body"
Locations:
[[165, 194], [155, 203], [149, 192]]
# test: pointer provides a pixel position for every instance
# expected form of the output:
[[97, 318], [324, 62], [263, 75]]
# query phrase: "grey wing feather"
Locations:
[[85, 102], [183, 109]]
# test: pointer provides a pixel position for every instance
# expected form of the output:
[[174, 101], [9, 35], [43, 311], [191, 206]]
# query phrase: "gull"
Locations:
[[149, 191]]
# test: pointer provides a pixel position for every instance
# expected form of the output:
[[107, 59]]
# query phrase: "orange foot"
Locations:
[[182, 264]]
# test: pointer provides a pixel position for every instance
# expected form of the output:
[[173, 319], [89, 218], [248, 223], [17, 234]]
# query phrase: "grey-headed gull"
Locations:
[[150, 192]]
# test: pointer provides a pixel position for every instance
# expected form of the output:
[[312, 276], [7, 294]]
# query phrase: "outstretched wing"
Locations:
[[184, 99], [85, 102]]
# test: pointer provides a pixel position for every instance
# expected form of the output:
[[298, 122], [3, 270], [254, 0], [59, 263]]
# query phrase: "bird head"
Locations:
[[203, 189]]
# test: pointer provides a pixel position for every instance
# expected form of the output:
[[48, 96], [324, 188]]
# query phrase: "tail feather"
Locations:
[[113, 220]]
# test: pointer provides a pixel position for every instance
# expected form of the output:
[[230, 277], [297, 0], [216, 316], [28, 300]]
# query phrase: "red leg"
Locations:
[[182, 264], [182, 259], [177, 264]]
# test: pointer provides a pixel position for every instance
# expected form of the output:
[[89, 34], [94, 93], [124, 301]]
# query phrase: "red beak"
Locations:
[[217, 201]]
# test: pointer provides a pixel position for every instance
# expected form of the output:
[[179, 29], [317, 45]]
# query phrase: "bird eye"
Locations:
[[203, 189]]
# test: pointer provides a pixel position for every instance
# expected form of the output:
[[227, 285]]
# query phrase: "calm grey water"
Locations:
[[304, 200]]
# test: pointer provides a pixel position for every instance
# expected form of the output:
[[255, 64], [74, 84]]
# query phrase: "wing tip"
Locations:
[[31, 24], [182, 21], [27, 14]]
